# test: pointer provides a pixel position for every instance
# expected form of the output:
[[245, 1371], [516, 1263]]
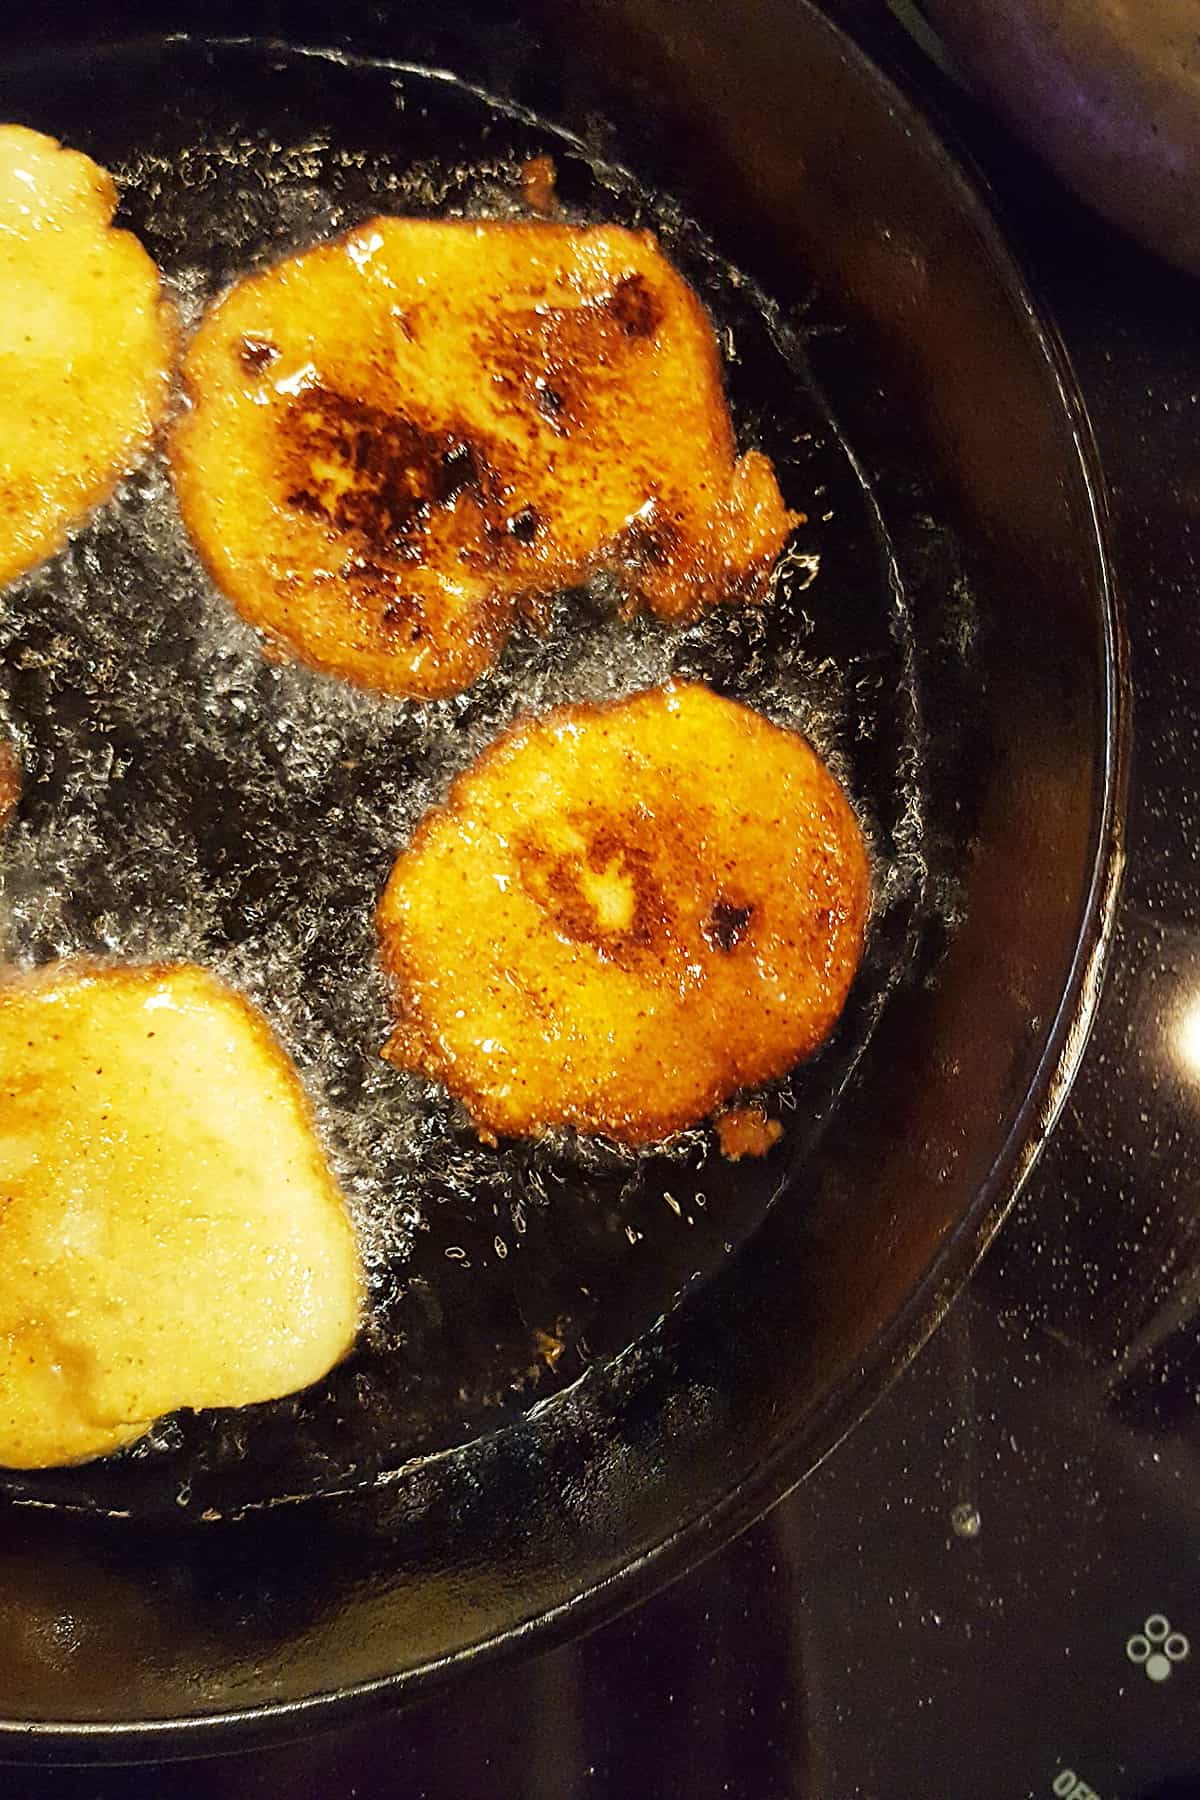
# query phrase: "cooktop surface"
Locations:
[[993, 1587]]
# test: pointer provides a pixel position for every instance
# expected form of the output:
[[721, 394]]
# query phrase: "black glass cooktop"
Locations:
[[993, 1588]]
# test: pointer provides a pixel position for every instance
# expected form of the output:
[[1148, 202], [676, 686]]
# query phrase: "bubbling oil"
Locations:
[[185, 798]]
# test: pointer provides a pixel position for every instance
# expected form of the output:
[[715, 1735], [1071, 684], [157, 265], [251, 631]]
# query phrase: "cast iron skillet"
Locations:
[[958, 654]]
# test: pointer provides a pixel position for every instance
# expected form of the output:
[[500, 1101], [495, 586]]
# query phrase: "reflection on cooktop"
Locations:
[[1113, 1253]]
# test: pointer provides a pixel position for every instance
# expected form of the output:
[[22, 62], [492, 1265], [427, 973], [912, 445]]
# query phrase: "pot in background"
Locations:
[[1108, 91]]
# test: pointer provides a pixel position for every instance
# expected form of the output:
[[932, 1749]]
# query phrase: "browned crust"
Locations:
[[467, 478], [415, 1043]]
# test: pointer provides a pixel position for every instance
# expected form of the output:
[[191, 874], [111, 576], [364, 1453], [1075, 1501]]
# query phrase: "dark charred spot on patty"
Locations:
[[377, 474], [524, 525], [455, 473], [727, 925], [549, 400], [635, 307]]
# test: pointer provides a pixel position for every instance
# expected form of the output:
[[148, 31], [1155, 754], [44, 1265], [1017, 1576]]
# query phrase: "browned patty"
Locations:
[[396, 438], [623, 915]]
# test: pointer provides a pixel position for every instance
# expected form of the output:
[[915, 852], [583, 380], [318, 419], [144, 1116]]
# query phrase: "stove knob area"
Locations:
[[1157, 1649]]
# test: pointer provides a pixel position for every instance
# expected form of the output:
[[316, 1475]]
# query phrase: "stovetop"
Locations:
[[993, 1587]]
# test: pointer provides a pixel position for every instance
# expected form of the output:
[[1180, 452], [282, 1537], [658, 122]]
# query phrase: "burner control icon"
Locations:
[[1156, 1648]]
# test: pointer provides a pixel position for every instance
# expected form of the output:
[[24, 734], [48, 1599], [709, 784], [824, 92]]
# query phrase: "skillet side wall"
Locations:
[[782, 146]]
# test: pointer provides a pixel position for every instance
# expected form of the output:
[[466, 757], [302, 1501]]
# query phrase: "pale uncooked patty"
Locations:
[[86, 345], [170, 1234]]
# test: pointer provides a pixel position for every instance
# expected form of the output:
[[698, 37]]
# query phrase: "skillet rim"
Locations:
[[748, 1496]]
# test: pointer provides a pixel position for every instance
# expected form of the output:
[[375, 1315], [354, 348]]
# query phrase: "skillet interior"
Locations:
[[186, 800], [948, 390]]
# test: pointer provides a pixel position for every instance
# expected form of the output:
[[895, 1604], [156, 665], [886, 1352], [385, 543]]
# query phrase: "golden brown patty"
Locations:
[[396, 437], [86, 342], [624, 914], [170, 1234]]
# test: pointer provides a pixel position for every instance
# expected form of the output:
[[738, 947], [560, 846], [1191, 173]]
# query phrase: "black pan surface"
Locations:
[[942, 629], [188, 801]]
